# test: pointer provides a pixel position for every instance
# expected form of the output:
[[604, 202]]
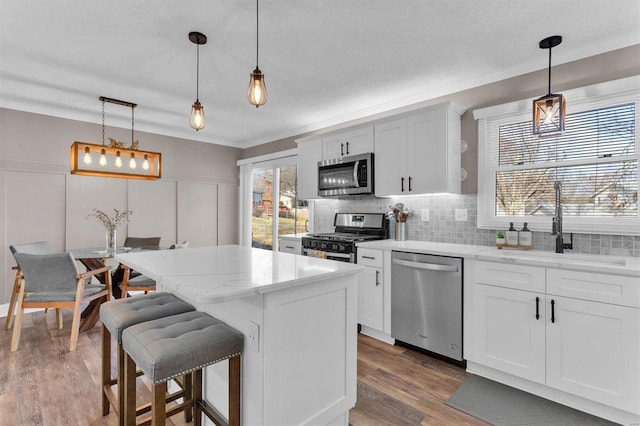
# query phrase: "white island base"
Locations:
[[299, 318]]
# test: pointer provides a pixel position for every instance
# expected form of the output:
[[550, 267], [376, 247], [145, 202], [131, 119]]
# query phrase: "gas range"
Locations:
[[351, 228]]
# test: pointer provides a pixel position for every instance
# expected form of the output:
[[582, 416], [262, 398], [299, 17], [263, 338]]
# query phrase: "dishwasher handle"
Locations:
[[429, 266]]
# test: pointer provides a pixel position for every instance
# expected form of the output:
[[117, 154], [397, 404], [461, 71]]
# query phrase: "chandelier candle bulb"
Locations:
[[118, 162], [132, 162]]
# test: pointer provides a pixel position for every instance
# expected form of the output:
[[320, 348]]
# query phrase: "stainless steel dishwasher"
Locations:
[[426, 302]]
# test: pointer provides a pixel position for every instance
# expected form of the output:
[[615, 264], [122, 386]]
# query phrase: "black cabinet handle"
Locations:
[[553, 311], [402, 184], [377, 278], [537, 308], [341, 149], [368, 257], [347, 148], [409, 183]]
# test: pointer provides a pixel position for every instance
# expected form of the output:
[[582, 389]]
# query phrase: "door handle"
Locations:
[[428, 266], [341, 149], [377, 278], [347, 148], [409, 183], [402, 184], [553, 311], [537, 308]]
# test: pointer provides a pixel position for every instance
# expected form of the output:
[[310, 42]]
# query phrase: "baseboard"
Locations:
[[383, 337]]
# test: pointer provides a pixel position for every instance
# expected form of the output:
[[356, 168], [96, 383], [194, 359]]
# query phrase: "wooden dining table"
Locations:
[[95, 258]]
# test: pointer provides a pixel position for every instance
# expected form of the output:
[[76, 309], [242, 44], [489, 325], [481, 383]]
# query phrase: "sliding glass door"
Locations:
[[276, 209]]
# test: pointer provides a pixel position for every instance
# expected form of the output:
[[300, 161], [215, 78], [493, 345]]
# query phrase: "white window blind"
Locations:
[[596, 159]]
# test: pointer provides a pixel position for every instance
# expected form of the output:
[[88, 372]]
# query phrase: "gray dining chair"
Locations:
[[142, 282], [40, 247], [53, 281]]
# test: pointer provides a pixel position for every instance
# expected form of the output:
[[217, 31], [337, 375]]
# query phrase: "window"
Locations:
[[596, 160]]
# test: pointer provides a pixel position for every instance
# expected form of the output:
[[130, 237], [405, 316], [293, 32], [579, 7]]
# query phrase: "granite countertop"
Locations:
[[223, 273], [619, 265]]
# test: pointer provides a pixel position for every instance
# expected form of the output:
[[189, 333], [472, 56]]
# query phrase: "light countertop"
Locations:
[[223, 273], [628, 266]]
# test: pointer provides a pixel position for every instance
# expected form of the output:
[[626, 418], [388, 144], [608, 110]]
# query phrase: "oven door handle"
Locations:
[[356, 167], [328, 254], [429, 266]]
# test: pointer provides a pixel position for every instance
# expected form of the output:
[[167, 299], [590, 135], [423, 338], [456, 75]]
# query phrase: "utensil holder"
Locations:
[[401, 231]]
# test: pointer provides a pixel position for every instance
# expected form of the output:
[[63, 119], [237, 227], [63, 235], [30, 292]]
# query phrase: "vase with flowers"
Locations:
[[111, 224]]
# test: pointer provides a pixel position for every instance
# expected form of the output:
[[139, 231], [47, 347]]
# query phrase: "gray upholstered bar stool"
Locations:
[[119, 314], [181, 345]]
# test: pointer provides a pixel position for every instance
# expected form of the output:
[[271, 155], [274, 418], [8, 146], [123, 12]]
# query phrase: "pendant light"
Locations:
[[257, 93], [549, 111], [197, 120]]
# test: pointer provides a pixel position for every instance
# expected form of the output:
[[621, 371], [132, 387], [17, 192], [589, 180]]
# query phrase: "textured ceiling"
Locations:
[[325, 62]]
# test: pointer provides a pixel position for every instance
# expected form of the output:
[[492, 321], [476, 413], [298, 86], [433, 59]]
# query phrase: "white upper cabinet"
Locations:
[[309, 153], [419, 152], [352, 142]]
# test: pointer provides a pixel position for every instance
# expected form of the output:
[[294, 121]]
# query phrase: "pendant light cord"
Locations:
[[257, 32], [102, 122], [132, 121], [549, 71], [198, 70]]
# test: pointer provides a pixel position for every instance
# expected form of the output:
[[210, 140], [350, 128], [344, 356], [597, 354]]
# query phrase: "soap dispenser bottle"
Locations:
[[524, 238], [512, 235]]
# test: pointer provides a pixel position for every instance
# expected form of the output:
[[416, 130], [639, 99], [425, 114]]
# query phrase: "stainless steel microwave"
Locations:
[[352, 175]]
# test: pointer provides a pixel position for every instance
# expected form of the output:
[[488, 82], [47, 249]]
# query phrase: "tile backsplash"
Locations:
[[443, 228]]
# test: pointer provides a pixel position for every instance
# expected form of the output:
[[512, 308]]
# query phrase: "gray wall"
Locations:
[[196, 198], [596, 69]]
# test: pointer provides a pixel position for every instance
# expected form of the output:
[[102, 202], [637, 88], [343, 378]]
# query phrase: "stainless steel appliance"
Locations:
[[352, 175], [350, 228], [426, 302]]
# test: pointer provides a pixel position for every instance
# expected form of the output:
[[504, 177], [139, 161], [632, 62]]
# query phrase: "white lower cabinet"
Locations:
[[509, 337], [371, 294], [592, 351], [291, 245], [585, 348]]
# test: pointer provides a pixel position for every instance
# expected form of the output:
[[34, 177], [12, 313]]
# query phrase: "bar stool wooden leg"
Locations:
[[197, 397], [130, 390], [187, 387], [234, 391], [158, 414], [106, 369]]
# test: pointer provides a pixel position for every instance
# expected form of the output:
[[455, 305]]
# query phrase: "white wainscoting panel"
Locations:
[[154, 210], [198, 213]]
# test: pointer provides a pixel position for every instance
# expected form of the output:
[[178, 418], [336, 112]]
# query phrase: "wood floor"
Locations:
[[44, 384]]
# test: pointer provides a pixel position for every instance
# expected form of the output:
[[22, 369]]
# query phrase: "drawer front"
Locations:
[[519, 277], [290, 245], [370, 257], [615, 289]]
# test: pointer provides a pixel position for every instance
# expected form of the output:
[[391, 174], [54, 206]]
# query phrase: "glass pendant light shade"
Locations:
[[197, 120], [549, 111], [257, 93]]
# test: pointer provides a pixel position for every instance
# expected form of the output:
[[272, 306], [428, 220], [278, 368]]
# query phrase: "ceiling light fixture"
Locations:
[[257, 93], [197, 120], [110, 156], [549, 111]]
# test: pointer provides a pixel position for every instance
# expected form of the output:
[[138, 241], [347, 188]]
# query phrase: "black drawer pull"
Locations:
[[553, 311], [341, 149], [402, 184], [369, 257], [537, 308]]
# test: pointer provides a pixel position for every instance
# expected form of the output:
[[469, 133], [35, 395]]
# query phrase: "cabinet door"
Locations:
[[391, 158], [353, 142], [508, 336], [370, 308], [427, 152], [309, 153], [593, 350]]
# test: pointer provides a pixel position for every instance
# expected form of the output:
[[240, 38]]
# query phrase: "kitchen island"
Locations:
[[299, 318]]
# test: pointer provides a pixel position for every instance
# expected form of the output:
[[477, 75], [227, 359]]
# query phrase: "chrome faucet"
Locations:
[[556, 225]]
